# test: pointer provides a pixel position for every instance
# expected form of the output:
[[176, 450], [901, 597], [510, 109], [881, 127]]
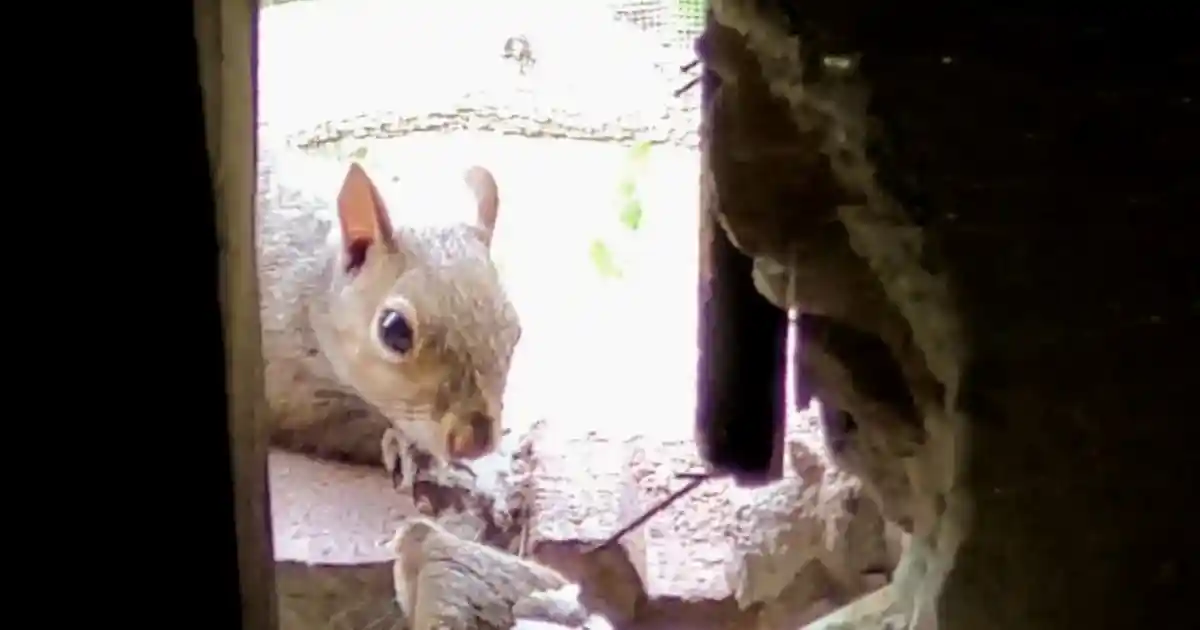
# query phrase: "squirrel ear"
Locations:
[[487, 198], [363, 217]]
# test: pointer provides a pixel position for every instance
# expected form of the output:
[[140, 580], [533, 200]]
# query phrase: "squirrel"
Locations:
[[444, 582], [373, 321]]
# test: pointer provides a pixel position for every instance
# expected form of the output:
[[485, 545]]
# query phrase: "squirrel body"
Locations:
[[370, 321], [444, 582]]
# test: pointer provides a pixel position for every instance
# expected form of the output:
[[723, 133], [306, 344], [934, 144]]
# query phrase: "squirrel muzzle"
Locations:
[[473, 438]]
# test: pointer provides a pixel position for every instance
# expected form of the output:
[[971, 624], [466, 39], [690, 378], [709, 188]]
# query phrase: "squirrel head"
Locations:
[[420, 324]]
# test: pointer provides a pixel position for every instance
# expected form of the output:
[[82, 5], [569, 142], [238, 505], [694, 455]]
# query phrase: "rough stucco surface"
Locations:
[[329, 522], [818, 516], [980, 204], [722, 556]]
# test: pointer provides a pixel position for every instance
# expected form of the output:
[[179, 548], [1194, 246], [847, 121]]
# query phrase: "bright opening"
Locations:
[[573, 108]]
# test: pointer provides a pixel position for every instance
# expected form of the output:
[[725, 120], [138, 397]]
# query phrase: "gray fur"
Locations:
[[327, 393]]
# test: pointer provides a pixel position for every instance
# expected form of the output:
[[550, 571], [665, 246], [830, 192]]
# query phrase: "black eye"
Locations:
[[394, 332]]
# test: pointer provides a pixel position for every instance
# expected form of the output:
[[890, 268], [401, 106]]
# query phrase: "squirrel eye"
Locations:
[[395, 332]]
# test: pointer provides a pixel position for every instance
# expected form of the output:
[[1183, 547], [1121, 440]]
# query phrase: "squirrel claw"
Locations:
[[397, 474], [393, 447]]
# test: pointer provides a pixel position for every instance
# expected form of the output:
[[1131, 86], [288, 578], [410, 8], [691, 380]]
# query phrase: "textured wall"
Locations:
[[985, 206]]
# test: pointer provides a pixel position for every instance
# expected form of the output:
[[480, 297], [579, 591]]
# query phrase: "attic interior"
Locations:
[[982, 210]]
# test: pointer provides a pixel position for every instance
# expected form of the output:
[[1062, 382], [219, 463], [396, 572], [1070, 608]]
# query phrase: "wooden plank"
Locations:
[[226, 36]]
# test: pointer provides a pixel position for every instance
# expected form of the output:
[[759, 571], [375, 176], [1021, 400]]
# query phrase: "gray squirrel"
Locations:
[[372, 322]]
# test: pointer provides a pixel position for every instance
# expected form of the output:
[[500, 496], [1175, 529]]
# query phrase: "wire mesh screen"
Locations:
[[603, 70], [677, 22]]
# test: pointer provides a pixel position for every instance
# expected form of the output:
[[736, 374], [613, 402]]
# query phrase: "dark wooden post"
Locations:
[[740, 412], [226, 42]]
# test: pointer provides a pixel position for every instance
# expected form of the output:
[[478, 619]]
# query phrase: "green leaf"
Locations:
[[602, 258], [627, 188], [359, 154], [640, 152], [631, 214]]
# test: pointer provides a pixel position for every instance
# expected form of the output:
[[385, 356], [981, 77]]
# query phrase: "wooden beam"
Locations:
[[226, 37]]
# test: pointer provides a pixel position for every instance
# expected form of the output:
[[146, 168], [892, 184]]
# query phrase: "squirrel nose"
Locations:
[[474, 439]]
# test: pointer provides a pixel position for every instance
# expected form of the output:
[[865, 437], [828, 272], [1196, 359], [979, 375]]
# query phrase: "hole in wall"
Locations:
[[596, 166], [596, 163]]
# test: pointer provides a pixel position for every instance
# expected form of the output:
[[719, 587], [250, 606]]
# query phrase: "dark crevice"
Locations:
[[838, 427], [875, 372], [742, 364]]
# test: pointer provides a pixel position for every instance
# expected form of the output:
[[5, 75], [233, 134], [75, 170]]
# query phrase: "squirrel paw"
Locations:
[[559, 606], [394, 446], [414, 471]]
